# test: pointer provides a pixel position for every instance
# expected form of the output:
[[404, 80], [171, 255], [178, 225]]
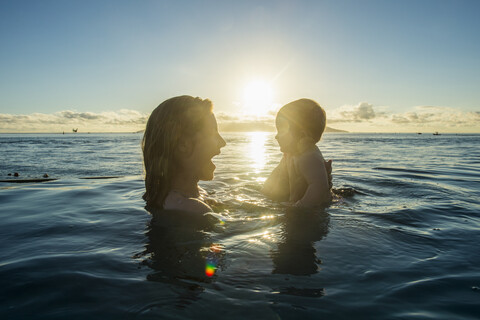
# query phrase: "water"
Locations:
[[404, 246]]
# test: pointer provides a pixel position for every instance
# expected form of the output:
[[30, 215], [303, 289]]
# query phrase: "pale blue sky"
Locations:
[[99, 56]]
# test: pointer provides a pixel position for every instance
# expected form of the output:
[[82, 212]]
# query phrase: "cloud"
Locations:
[[240, 123], [361, 117], [434, 118], [249, 123], [77, 115], [119, 121], [444, 116], [362, 112]]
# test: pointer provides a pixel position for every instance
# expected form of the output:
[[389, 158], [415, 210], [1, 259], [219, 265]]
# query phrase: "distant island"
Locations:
[[328, 129]]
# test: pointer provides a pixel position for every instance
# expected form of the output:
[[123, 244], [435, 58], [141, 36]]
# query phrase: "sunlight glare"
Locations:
[[257, 98], [256, 150]]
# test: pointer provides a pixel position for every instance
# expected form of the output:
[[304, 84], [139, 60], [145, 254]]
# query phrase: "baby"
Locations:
[[302, 177]]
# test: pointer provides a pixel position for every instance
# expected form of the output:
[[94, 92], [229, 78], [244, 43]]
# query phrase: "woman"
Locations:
[[180, 140]]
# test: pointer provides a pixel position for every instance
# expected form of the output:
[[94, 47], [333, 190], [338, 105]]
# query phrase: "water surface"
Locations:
[[404, 246]]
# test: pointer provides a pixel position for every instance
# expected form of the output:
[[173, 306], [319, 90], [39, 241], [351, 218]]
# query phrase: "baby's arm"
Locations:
[[314, 170], [276, 187]]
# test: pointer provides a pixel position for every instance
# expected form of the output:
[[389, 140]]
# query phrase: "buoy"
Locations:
[[16, 174], [45, 175]]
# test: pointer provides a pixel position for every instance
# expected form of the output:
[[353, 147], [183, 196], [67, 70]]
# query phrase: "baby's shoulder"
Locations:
[[310, 163], [313, 156]]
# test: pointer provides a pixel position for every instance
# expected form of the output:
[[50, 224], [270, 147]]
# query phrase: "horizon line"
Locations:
[[240, 131]]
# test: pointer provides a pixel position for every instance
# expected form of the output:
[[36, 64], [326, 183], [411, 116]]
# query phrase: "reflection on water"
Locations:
[[179, 252], [295, 253], [256, 149]]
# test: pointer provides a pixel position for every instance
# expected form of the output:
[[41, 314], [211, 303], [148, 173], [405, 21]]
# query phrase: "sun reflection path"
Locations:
[[256, 150]]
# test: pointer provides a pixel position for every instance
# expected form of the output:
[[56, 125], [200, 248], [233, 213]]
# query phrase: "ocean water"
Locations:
[[403, 245]]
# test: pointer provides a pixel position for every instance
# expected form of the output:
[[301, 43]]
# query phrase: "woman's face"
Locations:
[[207, 144]]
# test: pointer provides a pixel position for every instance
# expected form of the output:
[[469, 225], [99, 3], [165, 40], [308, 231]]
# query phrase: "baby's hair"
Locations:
[[174, 119], [305, 116]]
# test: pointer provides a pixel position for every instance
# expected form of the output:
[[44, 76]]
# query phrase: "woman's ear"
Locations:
[[185, 147]]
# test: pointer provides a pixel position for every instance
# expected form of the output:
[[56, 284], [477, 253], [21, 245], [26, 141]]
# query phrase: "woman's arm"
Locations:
[[277, 187]]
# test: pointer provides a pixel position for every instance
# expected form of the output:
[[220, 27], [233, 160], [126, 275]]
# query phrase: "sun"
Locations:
[[257, 98]]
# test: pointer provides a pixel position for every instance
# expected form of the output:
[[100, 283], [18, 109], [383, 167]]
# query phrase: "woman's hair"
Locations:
[[306, 117], [174, 119]]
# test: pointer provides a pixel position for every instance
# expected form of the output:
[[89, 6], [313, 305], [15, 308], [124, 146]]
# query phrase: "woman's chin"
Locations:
[[283, 148], [207, 177], [207, 173]]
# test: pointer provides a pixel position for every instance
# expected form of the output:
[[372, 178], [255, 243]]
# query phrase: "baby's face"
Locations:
[[284, 135], [208, 143]]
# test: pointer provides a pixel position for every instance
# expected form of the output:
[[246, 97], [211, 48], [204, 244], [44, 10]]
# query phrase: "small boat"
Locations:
[[436, 133], [419, 133]]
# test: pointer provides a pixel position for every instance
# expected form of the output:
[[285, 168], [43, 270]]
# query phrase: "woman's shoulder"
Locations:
[[176, 201]]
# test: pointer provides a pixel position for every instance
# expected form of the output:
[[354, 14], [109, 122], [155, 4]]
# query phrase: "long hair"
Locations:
[[174, 119]]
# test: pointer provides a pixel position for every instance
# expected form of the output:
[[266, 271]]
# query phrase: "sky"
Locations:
[[374, 66]]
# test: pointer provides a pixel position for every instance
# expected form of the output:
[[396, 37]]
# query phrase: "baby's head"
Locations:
[[300, 125], [173, 130]]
